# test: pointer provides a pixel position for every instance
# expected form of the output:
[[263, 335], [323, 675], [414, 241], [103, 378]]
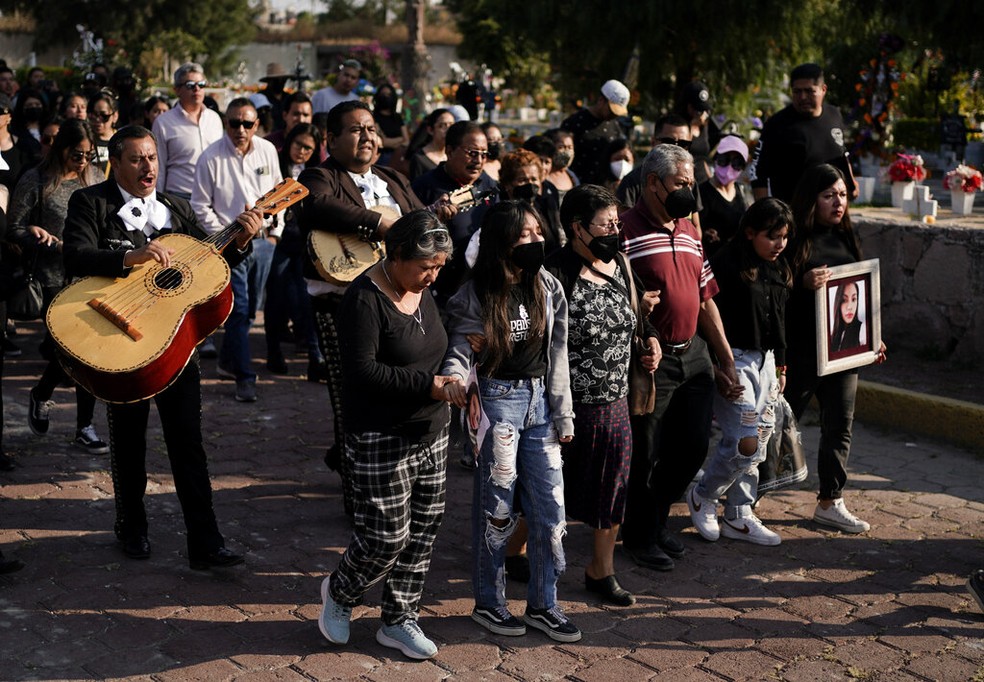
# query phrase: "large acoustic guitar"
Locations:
[[341, 257], [127, 338]]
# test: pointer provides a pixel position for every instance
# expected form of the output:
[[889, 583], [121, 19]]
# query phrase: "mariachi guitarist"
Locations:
[[111, 227], [343, 190]]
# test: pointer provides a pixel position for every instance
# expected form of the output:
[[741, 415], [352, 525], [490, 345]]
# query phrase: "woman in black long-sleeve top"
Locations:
[[824, 238]]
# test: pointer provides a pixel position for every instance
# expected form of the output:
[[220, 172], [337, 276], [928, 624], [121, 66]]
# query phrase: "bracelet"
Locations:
[[780, 371]]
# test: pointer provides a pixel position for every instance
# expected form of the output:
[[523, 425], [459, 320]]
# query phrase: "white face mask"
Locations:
[[620, 168]]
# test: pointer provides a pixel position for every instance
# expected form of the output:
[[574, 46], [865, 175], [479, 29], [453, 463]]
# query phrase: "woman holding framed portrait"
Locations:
[[825, 240]]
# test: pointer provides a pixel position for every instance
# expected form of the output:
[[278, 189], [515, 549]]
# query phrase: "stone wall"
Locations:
[[932, 282]]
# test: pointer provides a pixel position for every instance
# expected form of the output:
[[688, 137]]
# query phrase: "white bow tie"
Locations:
[[146, 215], [372, 187]]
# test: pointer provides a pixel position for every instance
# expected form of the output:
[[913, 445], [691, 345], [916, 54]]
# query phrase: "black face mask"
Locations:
[[495, 149], [525, 193], [529, 257], [385, 103], [32, 114], [603, 248], [562, 159], [679, 203]]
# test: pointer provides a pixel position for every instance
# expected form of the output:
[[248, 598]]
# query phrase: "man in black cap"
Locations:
[[695, 107], [806, 133]]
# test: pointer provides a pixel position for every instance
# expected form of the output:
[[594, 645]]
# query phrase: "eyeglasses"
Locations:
[[78, 157], [476, 154], [613, 227], [303, 147], [191, 85], [682, 144], [735, 162], [101, 116], [236, 123]]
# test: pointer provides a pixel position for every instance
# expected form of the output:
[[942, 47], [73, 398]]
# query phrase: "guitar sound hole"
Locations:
[[168, 278]]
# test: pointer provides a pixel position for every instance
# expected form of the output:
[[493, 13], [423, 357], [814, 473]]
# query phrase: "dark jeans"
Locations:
[[287, 299], [669, 445], [180, 409], [54, 375], [835, 395]]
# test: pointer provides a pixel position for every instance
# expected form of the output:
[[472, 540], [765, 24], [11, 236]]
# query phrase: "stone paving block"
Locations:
[[278, 675], [264, 662], [793, 644], [138, 661], [819, 609], [868, 656], [620, 669], [337, 666], [538, 663], [670, 656], [742, 665], [916, 641], [209, 671], [944, 668], [470, 657], [718, 635], [813, 670], [403, 670], [651, 629]]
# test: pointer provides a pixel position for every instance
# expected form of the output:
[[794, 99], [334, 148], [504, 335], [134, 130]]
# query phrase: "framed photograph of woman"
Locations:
[[849, 317]]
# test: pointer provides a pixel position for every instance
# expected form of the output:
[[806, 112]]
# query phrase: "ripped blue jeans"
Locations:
[[728, 472], [520, 456]]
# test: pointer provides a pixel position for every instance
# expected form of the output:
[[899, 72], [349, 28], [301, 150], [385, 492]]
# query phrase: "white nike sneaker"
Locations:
[[703, 514], [750, 529], [837, 516]]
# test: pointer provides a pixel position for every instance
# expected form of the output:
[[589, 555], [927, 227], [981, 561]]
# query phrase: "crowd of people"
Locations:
[[515, 333]]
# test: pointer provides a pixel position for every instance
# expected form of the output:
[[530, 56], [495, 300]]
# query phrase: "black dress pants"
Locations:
[[669, 445], [180, 409]]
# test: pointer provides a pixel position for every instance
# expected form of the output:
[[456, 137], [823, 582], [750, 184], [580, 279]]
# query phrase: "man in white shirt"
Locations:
[[184, 132], [230, 174], [342, 91]]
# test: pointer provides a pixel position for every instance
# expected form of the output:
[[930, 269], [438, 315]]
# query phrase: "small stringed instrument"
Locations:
[[340, 258], [126, 339]]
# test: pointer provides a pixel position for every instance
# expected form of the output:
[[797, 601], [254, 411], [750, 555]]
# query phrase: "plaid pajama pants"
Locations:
[[399, 503]]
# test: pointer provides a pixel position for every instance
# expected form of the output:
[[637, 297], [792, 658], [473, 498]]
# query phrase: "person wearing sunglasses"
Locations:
[[102, 116], [724, 203], [467, 150], [183, 132], [37, 220], [231, 173]]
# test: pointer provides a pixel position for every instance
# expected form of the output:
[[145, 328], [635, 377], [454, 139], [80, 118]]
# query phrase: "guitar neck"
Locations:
[[286, 193], [225, 236]]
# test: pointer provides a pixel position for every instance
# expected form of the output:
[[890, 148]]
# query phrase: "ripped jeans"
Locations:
[[727, 471], [520, 455]]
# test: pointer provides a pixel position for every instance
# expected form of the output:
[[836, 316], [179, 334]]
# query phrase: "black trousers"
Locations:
[[669, 445], [836, 396], [180, 409]]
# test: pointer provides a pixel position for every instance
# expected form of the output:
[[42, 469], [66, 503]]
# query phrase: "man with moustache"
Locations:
[[344, 190], [184, 131], [111, 227], [232, 173], [467, 150]]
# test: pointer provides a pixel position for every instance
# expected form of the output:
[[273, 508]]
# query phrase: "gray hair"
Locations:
[[180, 76], [418, 235], [665, 160]]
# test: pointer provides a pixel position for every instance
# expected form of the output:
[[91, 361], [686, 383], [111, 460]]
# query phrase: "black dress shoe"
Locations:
[[518, 568], [609, 589], [7, 462], [277, 365], [668, 541], [650, 557], [136, 547], [220, 558]]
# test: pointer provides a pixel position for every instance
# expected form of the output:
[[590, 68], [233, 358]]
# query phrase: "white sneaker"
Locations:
[[837, 516], [750, 529], [703, 513]]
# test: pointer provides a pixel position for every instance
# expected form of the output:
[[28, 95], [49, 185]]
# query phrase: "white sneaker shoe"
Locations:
[[837, 516], [750, 529], [703, 514]]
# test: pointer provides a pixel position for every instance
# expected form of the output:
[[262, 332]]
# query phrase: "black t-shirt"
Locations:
[[719, 214], [388, 363], [390, 124], [791, 143], [592, 137], [529, 357]]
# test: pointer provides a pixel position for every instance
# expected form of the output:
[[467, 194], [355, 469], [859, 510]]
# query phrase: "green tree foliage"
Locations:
[[210, 29]]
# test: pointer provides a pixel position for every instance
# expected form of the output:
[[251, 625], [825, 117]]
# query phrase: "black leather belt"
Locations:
[[677, 348]]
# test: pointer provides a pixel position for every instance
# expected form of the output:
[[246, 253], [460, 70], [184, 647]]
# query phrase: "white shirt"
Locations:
[[226, 181], [180, 141], [326, 98], [150, 215]]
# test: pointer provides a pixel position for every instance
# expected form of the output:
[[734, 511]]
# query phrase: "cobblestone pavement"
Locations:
[[887, 605]]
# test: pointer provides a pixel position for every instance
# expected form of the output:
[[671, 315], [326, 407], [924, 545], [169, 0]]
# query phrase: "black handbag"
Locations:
[[642, 382], [23, 291]]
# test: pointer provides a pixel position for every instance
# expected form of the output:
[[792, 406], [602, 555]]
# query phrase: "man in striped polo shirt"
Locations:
[[670, 444]]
